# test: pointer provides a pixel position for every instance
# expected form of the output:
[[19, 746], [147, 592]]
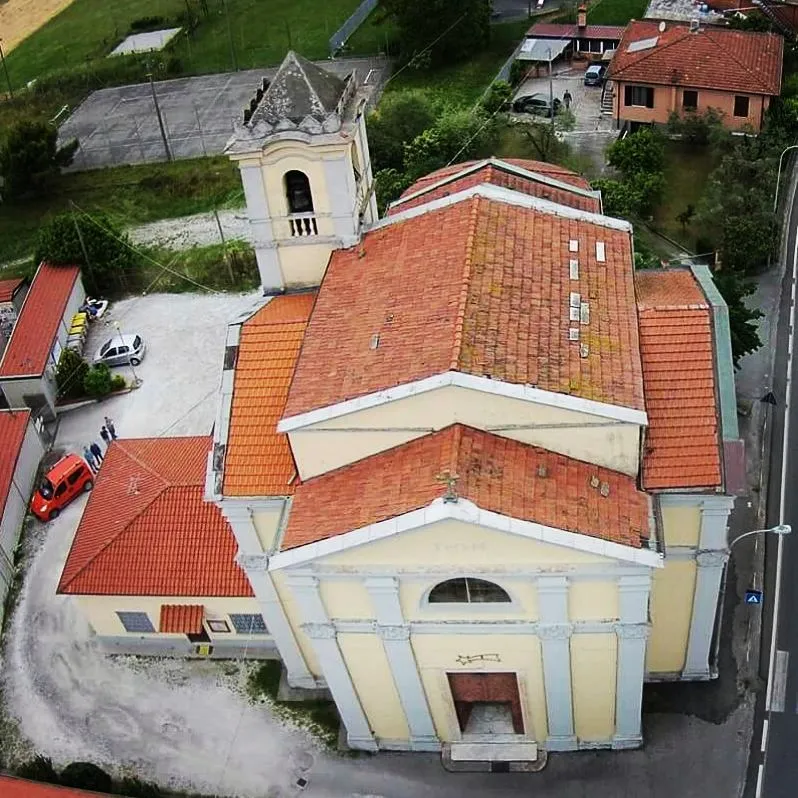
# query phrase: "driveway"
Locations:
[[593, 131], [120, 126]]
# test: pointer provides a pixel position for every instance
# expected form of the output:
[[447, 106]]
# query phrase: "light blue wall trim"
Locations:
[[724, 365]]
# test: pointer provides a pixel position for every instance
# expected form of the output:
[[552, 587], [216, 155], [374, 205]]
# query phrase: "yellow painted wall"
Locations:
[[671, 609], [304, 264], [100, 611], [467, 546], [593, 600], [681, 525], [346, 600], [614, 446], [412, 595], [295, 619], [267, 524], [593, 683], [367, 664], [437, 655]]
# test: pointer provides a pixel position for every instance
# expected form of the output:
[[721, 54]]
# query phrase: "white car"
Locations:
[[122, 350]]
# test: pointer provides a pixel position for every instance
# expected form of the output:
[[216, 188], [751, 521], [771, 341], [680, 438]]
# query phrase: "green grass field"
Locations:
[[687, 169], [130, 195], [616, 12], [260, 33], [463, 83]]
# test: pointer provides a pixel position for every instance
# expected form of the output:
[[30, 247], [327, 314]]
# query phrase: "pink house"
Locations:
[[661, 67]]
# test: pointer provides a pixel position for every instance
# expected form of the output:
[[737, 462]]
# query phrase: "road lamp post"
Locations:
[[778, 176], [779, 529]]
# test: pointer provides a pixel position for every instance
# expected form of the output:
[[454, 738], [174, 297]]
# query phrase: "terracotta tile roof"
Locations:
[[712, 58], [146, 530], [38, 320], [258, 460], [497, 174], [9, 287], [497, 474], [13, 424], [553, 30], [181, 619], [11, 787], [682, 443], [481, 287]]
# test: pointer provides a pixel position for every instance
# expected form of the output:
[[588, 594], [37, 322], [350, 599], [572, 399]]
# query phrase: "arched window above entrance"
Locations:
[[467, 590]]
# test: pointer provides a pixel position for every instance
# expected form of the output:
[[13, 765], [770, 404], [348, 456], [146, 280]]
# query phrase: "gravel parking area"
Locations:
[[181, 723]]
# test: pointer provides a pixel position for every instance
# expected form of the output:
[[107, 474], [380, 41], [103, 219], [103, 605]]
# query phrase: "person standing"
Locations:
[[106, 436], [566, 98], [88, 456], [97, 452], [109, 425]]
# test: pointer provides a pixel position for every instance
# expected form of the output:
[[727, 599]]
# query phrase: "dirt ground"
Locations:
[[20, 18]]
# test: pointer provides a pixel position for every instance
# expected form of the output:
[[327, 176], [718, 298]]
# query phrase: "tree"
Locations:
[[94, 243], [136, 788], [697, 128], [401, 116], [30, 158], [497, 96], [70, 374], [390, 184], [643, 151], [97, 381], [442, 30], [40, 768], [457, 135], [86, 776], [742, 320]]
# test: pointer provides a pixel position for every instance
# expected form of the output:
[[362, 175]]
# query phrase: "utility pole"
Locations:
[[160, 118], [5, 70], [230, 37], [224, 248], [551, 92]]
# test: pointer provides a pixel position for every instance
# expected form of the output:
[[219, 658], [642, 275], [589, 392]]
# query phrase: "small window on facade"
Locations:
[[740, 105], [640, 96], [136, 621], [249, 624], [218, 626], [689, 100], [465, 590], [297, 192]]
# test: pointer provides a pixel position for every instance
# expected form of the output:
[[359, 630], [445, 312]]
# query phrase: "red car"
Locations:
[[68, 478]]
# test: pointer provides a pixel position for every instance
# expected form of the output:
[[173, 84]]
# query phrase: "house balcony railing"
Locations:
[[303, 225]]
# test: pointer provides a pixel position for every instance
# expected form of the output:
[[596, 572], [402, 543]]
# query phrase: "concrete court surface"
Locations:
[[119, 125]]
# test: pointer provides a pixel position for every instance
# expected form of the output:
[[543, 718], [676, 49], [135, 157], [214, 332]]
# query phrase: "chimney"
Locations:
[[581, 16]]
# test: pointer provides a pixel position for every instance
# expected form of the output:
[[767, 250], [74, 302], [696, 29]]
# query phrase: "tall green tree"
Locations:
[[734, 288], [438, 32], [30, 159], [400, 117], [92, 242]]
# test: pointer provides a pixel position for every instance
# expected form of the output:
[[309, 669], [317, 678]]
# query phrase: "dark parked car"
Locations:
[[537, 104], [594, 75]]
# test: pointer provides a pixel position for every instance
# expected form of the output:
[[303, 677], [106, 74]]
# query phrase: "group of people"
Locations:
[[92, 452]]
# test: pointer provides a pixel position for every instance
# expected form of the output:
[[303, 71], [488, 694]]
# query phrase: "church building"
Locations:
[[476, 468]]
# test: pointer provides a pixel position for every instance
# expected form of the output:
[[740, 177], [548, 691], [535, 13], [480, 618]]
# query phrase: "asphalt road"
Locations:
[[774, 767]]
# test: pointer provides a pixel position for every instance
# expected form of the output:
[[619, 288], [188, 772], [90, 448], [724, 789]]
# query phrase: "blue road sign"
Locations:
[[753, 596]]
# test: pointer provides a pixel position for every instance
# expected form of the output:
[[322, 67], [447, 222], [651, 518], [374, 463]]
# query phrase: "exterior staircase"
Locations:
[[607, 94], [782, 15]]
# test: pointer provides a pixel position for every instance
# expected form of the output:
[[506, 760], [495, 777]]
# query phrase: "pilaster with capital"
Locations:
[[395, 636]]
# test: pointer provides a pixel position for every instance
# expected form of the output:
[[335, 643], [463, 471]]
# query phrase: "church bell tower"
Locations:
[[303, 154]]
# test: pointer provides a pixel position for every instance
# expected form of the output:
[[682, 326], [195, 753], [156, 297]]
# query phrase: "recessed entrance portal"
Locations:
[[487, 703]]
